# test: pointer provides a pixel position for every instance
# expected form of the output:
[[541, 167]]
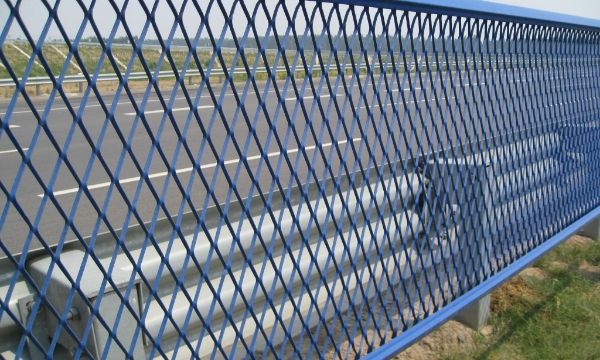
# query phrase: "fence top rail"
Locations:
[[483, 9]]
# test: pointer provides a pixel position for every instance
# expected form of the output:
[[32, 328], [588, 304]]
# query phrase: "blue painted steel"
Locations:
[[421, 329], [346, 179], [483, 9]]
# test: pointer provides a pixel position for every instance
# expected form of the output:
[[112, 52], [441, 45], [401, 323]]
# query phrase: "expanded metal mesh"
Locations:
[[247, 179]]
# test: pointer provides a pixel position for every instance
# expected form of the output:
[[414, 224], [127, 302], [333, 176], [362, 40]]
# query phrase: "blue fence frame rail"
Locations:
[[280, 179]]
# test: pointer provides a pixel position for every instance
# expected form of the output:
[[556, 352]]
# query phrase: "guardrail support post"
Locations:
[[592, 230], [109, 305], [477, 314]]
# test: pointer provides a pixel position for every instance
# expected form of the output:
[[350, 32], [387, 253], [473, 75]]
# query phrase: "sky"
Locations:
[[35, 15], [583, 8]]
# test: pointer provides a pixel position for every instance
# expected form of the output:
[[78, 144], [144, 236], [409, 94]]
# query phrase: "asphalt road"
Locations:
[[251, 143]]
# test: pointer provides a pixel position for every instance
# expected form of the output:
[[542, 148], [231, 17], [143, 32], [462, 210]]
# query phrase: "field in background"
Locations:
[[56, 57], [90, 55]]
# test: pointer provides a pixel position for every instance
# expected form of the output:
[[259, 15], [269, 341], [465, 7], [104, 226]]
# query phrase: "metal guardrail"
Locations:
[[83, 81], [45, 80], [345, 213]]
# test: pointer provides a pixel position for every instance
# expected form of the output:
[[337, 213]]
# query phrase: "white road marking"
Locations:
[[173, 110], [200, 107], [12, 151], [190, 169], [76, 106], [409, 102], [186, 108], [14, 126]]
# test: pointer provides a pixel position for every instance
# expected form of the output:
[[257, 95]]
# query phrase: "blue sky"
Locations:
[[35, 15]]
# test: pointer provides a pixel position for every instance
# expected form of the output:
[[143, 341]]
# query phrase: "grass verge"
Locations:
[[550, 311]]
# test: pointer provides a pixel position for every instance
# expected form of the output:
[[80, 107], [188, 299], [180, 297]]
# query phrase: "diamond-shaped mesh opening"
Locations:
[[275, 179]]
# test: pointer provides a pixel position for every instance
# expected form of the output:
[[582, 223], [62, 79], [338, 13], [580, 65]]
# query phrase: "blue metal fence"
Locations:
[[306, 179]]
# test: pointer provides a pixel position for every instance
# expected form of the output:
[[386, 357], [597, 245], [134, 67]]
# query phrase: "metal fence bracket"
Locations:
[[61, 294], [461, 192]]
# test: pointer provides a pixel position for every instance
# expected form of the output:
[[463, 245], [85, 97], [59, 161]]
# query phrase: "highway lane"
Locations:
[[350, 136]]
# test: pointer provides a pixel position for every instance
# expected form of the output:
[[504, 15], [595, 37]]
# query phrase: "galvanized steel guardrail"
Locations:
[[190, 74], [360, 196]]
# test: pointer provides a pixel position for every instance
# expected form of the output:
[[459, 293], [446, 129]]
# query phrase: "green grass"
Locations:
[[90, 55], [554, 318], [94, 59]]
